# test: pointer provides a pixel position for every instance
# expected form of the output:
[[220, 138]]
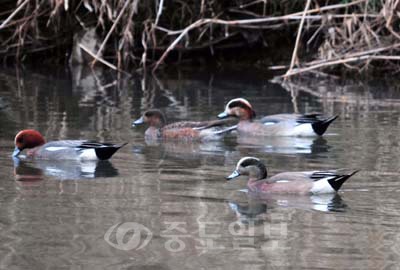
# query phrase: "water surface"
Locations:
[[170, 204]]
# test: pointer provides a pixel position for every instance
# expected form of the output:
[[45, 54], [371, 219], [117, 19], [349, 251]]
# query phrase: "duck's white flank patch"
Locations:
[[269, 123], [208, 134], [304, 130], [56, 148], [88, 154], [322, 186]]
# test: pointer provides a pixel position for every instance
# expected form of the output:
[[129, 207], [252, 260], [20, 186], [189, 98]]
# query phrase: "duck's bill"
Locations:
[[16, 152], [138, 122], [233, 175], [223, 115]]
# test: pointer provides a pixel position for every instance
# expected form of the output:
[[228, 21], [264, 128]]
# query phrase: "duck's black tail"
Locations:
[[321, 126], [337, 182], [106, 151]]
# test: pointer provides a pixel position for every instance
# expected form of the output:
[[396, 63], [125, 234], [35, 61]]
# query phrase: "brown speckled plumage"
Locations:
[[184, 130]]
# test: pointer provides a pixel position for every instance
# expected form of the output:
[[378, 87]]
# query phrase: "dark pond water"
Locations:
[[168, 206]]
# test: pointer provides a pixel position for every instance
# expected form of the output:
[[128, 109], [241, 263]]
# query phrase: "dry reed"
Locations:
[[357, 34]]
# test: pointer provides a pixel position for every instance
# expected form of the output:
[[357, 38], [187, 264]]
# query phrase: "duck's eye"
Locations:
[[20, 140], [149, 114]]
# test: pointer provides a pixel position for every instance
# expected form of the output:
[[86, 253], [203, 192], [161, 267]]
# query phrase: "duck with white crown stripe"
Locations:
[[275, 125], [305, 182]]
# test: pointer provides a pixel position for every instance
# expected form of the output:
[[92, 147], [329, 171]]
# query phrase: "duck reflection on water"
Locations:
[[280, 145], [254, 207], [190, 153], [284, 145], [33, 171], [250, 211], [321, 202]]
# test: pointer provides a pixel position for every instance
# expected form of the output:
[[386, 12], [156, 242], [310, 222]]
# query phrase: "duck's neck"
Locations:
[[157, 122], [246, 115], [253, 183], [30, 153]]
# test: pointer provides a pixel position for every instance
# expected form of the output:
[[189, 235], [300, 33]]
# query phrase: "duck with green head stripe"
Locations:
[[305, 182]]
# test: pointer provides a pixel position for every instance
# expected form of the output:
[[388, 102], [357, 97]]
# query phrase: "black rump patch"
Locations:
[[103, 150], [319, 124]]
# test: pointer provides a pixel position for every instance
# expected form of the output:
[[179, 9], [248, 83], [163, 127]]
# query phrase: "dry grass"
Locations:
[[353, 34], [360, 42]]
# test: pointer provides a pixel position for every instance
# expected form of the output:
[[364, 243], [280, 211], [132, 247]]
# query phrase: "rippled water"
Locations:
[[168, 206]]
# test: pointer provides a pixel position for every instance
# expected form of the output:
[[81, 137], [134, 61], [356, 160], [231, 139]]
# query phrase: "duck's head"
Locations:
[[238, 107], [28, 138], [250, 166], [153, 117]]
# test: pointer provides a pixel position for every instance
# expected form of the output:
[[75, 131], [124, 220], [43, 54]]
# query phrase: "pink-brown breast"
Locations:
[[294, 187], [259, 129], [181, 133]]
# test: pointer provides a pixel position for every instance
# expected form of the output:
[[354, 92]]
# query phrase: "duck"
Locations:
[[303, 182], [312, 124], [38, 148], [184, 130]]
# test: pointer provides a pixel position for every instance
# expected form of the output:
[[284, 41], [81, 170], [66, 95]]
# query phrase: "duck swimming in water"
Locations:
[[307, 182], [66, 149], [184, 130], [275, 125]]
